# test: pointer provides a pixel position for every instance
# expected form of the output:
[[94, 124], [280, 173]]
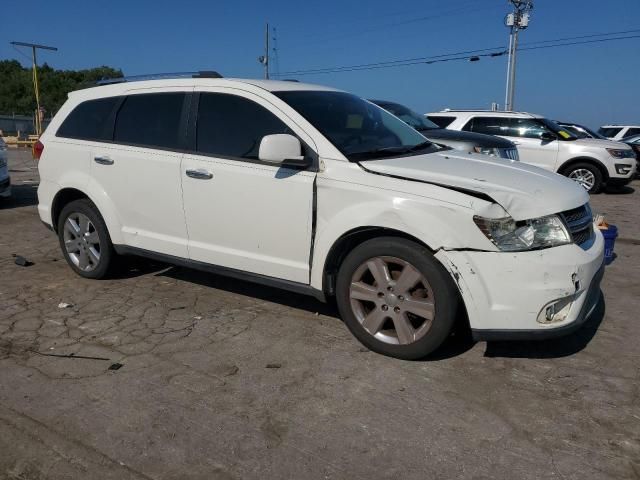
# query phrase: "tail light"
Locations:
[[38, 148]]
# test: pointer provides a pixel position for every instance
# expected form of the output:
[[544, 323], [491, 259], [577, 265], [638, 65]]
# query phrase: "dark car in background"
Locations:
[[634, 142], [466, 141]]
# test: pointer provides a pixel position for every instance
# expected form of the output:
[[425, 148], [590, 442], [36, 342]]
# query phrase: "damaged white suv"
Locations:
[[319, 192]]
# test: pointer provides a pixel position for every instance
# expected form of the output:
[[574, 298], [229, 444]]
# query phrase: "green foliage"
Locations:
[[16, 86]]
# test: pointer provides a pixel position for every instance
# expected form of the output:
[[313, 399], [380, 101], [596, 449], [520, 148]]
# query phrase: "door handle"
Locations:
[[200, 174], [103, 160]]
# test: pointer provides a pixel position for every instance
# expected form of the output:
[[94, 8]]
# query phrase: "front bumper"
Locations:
[[505, 293]]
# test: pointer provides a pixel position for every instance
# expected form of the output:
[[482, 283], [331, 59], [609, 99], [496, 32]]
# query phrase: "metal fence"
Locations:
[[11, 125]]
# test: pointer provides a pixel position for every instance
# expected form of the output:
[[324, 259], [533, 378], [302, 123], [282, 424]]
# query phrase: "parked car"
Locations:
[[581, 131], [5, 180], [319, 192], [618, 132], [465, 141], [590, 162], [634, 142]]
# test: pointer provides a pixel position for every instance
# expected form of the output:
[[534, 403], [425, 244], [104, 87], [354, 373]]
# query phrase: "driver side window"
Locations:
[[233, 126]]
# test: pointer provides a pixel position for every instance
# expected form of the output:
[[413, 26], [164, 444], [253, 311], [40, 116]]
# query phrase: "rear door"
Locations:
[[525, 133], [242, 213], [139, 170]]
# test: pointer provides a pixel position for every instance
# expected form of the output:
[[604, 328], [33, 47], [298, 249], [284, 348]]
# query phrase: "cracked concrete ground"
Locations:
[[222, 379]]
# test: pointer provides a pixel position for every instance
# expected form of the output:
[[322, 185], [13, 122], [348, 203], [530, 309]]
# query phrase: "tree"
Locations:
[[16, 86]]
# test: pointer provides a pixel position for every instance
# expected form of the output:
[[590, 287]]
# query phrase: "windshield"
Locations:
[[562, 133], [359, 129], [575, 131], [411, 118]]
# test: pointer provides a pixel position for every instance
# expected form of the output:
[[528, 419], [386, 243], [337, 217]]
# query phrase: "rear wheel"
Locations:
[[588, 176], [84, 239], [396, 298]]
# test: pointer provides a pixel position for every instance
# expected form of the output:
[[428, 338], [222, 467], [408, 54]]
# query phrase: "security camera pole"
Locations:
[[516, 21], [35, 46]]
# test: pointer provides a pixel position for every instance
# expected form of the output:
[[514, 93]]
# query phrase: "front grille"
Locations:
[[579, 221], [510, 153]]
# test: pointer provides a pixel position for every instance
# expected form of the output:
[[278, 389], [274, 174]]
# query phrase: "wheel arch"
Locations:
[[62, 198], [344, 244], [590, 160]]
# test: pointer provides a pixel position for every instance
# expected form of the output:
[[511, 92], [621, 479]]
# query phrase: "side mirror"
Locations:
[[282, 149], [548, 137]]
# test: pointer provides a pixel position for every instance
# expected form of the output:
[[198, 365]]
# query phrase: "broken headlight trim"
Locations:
[[511, 236]]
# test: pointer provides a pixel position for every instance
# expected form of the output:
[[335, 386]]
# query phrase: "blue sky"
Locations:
[[593, 84]]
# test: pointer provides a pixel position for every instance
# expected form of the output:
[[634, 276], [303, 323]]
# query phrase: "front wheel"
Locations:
[[588, 176], [396, 298]]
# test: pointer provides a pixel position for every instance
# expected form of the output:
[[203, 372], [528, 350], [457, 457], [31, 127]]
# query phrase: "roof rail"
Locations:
[[158, 76]]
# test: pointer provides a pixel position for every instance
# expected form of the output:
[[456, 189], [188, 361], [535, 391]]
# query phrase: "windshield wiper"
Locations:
[[384, 151]]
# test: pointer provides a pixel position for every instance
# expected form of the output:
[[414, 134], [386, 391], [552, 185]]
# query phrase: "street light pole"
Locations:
[[35, 46]]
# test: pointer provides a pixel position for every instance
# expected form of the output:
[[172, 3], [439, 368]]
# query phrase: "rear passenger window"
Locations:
[[89, 120], [488, 125], [609, 132], [232, 126], [150, 120], [631, 132], [442, 122]]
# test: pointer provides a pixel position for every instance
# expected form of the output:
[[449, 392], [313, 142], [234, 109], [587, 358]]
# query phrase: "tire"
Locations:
[[378, 313], [585, 173], [83, 234]]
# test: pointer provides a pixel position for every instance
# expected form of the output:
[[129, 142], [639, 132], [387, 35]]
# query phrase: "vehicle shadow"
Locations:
[[21, 196], [132, 267], [250, 289], [625, 190], [553, 348]]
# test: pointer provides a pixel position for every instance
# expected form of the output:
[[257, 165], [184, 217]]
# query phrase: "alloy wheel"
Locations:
[[82, 242], [392, 300], [584, 177]]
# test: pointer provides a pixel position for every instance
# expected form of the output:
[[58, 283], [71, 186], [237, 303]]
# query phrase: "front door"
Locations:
[[242, 213]]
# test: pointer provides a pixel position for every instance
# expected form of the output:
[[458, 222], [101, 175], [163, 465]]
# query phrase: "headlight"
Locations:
[[511, 236], [494, 152], [619, 153]]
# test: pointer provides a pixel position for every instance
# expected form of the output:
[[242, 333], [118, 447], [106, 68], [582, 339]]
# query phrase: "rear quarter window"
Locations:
[[89, 120], [442, 122]]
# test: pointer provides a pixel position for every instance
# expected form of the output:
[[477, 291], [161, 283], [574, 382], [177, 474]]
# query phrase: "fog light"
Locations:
[[623, 169], [556, 311]]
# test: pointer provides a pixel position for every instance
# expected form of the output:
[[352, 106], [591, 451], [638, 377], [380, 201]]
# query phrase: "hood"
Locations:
[[478, 139], [597, 142], [524, 191]]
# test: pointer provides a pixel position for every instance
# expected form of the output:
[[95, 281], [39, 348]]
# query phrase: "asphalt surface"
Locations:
[[222, 379]]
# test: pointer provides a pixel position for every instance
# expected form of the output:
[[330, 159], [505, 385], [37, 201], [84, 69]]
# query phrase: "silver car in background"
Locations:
[[5, 181]]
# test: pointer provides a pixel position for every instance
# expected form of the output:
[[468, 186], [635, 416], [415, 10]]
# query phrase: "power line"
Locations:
[[460, 10], [464, 55]]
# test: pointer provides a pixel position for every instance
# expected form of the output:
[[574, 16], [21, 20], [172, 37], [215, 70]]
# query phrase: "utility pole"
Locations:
[[35, 46], [516, 21], [264, 59]]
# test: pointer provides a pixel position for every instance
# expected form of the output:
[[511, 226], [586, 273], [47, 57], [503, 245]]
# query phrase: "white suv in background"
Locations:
[[319, 192], [541, 142], [618, 132]]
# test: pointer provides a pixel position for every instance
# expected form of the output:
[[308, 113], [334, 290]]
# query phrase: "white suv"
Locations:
[[618, 132], [319, 192], [590, 162]]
